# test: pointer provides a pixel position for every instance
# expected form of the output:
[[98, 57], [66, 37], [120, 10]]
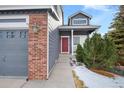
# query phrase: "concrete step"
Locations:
[[64, 57]]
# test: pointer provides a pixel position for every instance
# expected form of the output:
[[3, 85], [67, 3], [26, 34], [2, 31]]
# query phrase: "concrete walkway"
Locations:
[[61, 77]]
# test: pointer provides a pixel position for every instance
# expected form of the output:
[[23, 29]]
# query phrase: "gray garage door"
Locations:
[[13, 53]]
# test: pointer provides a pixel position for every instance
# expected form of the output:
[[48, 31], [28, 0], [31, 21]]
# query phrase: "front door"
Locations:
[[65, 44]]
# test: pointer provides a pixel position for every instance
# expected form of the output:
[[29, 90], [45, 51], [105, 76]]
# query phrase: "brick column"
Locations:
[[37, 48]]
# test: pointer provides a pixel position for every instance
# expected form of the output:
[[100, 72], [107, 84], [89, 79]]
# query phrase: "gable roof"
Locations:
[[80, 12]]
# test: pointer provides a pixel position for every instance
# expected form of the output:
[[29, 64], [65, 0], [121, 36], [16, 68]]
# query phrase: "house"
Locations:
[[32, 37], [76, 32]]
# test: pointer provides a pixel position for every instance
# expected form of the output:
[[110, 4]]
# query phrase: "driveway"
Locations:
[[7, 82], [61, 77]]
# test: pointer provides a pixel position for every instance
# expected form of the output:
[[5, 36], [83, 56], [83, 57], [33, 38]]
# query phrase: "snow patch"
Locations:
[[94, 80]]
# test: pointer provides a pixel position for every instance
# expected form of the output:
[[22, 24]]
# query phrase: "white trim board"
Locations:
[[14, 25], [47, 45]]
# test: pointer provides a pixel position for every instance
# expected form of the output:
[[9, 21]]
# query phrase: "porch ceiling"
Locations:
[[89, 28]]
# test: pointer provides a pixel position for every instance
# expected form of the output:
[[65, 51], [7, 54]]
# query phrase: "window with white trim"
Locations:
[[79, 21], [76, 40]]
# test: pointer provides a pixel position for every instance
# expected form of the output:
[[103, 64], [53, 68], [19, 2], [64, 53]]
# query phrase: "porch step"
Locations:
[[64, 57]]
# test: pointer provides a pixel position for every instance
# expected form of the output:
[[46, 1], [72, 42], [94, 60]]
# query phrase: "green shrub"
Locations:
[[99, 52], [79, 53], [92, 51]]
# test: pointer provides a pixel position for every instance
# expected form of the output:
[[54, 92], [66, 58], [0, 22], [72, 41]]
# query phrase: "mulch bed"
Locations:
[[78, 83], [105, 73]]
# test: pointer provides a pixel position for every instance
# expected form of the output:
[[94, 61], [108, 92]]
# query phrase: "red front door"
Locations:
[[64, 42]]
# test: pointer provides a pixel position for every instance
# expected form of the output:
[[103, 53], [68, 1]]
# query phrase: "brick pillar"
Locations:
[[37, 48]]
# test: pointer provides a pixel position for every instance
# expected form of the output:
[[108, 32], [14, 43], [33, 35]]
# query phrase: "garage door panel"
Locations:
[[9, 72], [13, 53]]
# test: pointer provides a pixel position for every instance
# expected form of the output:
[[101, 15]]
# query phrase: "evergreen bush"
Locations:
[[97, 52]]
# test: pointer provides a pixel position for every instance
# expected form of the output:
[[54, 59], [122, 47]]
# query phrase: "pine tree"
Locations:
[[99, 52], [110, 54], [79, 53], [93, 51], [117, 34]]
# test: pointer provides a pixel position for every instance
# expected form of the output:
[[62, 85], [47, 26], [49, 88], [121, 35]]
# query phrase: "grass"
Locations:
[[102, 72], [78, 83]]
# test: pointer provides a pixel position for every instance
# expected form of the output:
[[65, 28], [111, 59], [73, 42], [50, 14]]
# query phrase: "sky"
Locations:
[[101, 15]]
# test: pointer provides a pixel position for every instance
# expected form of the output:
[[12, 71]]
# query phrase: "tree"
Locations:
[[99, 52], [110, 54], [79, 53], [92, 51], [117, 34]]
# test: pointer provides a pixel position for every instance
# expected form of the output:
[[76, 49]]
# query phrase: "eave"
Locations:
[[30, 7], [88, 28]]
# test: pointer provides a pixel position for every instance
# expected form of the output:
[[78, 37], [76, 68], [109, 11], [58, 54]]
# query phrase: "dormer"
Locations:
[[79, 18]]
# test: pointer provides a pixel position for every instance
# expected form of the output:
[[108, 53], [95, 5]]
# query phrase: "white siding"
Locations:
[[82, 40]]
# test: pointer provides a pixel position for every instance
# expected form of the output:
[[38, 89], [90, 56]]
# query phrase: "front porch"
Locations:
[[71, 36]]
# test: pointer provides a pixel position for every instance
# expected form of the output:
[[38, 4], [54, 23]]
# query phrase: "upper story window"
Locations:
[[79, 21], [12, 20]]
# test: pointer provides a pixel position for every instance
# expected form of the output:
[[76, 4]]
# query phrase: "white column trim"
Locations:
[[47, 45], [72, 41]]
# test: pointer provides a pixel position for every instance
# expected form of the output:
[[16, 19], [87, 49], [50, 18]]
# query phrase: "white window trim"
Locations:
[[15, 17], [15, 25], [79, 19], [76, 36], [73, 42], [68, 44]]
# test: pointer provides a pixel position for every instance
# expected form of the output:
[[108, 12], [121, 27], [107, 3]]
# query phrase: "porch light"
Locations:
[[35, 27]]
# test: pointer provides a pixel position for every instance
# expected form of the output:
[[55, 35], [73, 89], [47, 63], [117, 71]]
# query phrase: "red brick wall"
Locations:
[[37, 48]]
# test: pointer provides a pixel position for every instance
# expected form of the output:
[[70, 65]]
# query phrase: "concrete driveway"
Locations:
[[6, 82], [61, 77]]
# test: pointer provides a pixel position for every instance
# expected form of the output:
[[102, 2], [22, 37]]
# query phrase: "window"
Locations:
[[76, 40], [22, 34], [79, 21], [12, 20], [10, 35]]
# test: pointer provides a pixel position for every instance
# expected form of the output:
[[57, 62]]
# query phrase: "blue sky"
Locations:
[[101, 15]]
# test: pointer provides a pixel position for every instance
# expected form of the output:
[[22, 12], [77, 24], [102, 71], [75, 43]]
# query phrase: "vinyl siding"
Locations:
[[53, 40], [82, 40]]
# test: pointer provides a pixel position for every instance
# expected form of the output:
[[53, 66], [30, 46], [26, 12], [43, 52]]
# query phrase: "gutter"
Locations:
[[55, 13], [29, 7]]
